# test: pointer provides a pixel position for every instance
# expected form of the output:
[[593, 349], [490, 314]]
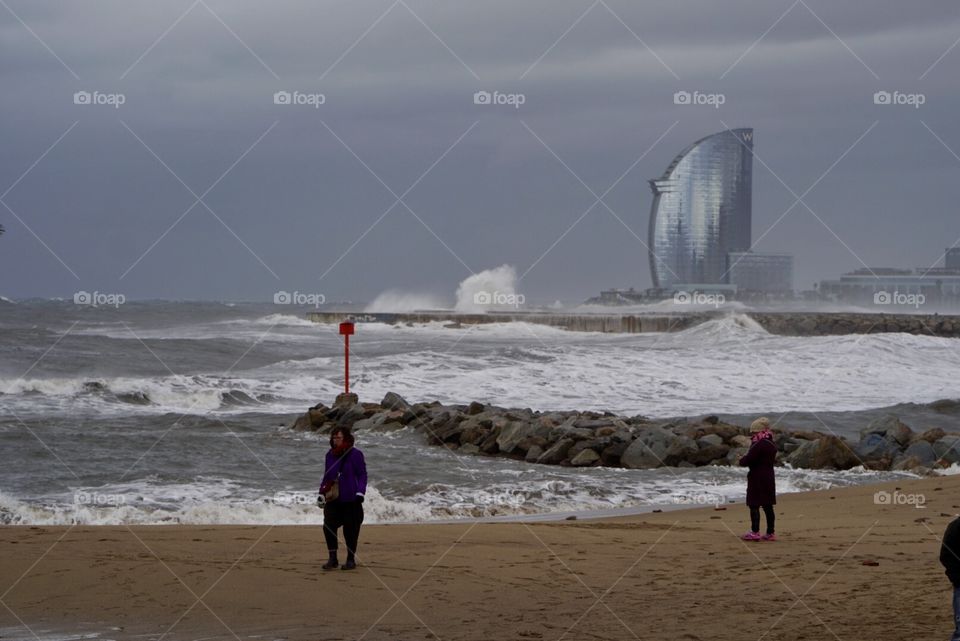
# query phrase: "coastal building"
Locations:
[[618, 297], [702, 210], [883, 286], [760, 273], [951, 258]]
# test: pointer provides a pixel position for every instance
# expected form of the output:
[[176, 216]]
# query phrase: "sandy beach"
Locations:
[[672, 575]]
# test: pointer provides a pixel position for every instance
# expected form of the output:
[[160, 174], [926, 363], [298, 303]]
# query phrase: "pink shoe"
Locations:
[[751, 536], [768, 537]]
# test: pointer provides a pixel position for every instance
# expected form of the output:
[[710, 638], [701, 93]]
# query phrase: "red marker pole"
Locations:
[[346, 330]]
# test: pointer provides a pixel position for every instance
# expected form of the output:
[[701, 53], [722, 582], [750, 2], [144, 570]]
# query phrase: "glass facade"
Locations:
[[952, 258], [885, 286], [756, 272], [702, 210]]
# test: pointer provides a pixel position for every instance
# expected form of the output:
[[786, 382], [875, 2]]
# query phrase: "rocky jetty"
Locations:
[[796, 323], [590, 439]]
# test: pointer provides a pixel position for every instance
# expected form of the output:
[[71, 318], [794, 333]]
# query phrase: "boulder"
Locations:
[[947, 449], [393, 401], [595, 444], [472, 432], [533, 454], [352, 415], [568, 431], [740, 440], [364, 424], [513, 433], [556, 453], [527, 443], [469, 448], [828, 452], [610, 456], [681, 450], [710, 439], [584, 458], [723, 430], [923, 452], [594, 423], [313, 419], [475, 408], [648, 450], [891, 427], [931, 436], [876, 446], [489, 444], [346, 400], [709, 453], [905, 463], [790, 445], [734, 455], [446, 428]]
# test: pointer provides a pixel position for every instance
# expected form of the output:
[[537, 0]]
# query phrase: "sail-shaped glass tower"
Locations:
[[702, 210]]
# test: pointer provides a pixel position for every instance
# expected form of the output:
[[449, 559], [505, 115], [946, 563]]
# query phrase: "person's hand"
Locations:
[[359, 498], [321, 501]]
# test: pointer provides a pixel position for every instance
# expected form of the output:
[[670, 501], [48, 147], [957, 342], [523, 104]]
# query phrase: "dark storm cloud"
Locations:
[[288, 198]]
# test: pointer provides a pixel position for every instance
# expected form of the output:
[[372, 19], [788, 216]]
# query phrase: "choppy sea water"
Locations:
[[177, 412]]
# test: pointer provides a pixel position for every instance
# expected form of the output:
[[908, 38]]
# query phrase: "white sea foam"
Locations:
[[529, 489], [398, 301], [488, 290], [727, 365]]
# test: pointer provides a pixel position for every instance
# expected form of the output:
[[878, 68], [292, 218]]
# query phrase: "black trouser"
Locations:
[[755, 518], [350, 516]]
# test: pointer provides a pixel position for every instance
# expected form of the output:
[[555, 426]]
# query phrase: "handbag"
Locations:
[[333, 493]]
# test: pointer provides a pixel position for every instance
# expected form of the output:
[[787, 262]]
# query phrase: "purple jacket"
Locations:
[[351, 470], [761, 485]]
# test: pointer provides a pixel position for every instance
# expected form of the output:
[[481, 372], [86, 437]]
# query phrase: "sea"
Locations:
[[179, 412]]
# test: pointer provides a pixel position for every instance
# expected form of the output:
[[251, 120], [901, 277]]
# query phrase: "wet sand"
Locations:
[[672, 575]]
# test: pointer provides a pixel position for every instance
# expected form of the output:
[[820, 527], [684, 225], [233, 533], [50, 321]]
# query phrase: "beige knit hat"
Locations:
[[760, 424]]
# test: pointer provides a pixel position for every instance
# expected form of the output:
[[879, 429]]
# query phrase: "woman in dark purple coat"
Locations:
[[345, 467], [761, 485]]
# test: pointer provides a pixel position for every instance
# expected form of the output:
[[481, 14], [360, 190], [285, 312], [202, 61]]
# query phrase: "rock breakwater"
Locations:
[[589, 439]]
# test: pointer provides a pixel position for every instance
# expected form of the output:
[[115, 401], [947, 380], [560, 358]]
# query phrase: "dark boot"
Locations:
[[331, 563], [351, 564]]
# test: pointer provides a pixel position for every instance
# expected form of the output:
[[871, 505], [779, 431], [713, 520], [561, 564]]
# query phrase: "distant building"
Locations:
[[755, 272], [618, 297], [884, 286], [702, 210], [951, 259]]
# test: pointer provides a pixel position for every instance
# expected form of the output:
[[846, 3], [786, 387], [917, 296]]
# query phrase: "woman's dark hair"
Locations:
[[345, 432]]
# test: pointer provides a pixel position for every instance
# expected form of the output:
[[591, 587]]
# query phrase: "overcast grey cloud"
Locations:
[[298, 197]]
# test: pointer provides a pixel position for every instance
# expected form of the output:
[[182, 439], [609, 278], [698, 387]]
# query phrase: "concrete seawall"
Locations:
[[783, 323]]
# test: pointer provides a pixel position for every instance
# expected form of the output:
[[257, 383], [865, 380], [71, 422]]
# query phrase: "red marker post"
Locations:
[[346, 330]]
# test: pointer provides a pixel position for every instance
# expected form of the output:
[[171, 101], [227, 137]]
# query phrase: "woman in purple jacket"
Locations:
[[345, 467], [761, 485]]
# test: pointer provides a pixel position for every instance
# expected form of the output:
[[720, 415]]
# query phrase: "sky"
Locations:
[[206, 149]]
